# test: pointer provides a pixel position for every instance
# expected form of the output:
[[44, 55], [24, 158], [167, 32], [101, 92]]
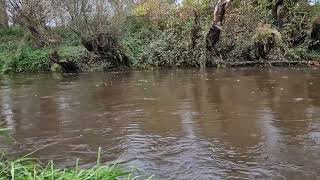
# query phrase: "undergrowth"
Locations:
[[17, 54]]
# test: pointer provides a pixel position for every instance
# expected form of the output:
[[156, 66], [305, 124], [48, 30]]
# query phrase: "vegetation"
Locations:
[[26, 168], [30, 169], [90, 35], [17, 54]]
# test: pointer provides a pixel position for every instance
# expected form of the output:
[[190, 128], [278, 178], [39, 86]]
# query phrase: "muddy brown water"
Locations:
[[247, 123]]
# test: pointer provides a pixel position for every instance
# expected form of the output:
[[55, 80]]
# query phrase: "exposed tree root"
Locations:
[[68, 66]]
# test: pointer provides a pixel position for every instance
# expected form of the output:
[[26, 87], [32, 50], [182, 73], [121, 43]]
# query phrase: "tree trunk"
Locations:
[[3, 14], [213, 35], [263, 48], [315, 34], [278, 12], [195, 31]]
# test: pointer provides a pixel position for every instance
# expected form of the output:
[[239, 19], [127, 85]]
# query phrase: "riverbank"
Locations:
[[17, 55], [251, 34]]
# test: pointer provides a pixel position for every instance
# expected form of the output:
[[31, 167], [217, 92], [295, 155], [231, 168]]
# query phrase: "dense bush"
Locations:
[[17, 54], [153, 47]]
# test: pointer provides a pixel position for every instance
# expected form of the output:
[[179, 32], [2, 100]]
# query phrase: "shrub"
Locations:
[[264, 32]]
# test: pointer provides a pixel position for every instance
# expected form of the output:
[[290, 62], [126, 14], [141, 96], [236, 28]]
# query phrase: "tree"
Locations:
[[33, 14], [218, 17], [91, 21], [3, 14], [155, 11]]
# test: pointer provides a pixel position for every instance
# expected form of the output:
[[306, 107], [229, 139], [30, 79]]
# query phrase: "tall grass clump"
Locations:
[[30, 169], [26, 168]]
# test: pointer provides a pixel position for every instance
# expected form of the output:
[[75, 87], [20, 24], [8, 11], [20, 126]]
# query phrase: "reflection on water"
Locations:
[[176, 124]]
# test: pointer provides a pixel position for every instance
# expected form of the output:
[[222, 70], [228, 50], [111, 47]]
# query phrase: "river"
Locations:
[[243, 123]]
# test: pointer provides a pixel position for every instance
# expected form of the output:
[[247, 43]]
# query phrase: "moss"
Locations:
[[56, 68]]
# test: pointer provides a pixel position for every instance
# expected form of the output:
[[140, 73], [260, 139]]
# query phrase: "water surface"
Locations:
[[177, 124]]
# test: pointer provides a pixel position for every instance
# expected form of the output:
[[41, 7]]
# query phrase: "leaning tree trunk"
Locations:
[[214, 33], [106, 47], [39, 35]]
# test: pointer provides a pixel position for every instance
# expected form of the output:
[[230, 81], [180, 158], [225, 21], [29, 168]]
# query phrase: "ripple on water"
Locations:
[[177, 124]]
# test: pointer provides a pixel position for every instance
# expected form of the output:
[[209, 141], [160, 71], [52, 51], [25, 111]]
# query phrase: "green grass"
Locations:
[[31, 169]]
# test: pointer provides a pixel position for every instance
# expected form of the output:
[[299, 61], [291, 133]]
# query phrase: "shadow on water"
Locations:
[[177, 124]]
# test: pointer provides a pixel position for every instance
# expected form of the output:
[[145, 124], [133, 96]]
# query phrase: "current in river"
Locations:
[[243, 123]]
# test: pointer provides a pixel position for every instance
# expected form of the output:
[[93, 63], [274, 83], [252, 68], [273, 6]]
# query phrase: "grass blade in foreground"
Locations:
[[30, 169]]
